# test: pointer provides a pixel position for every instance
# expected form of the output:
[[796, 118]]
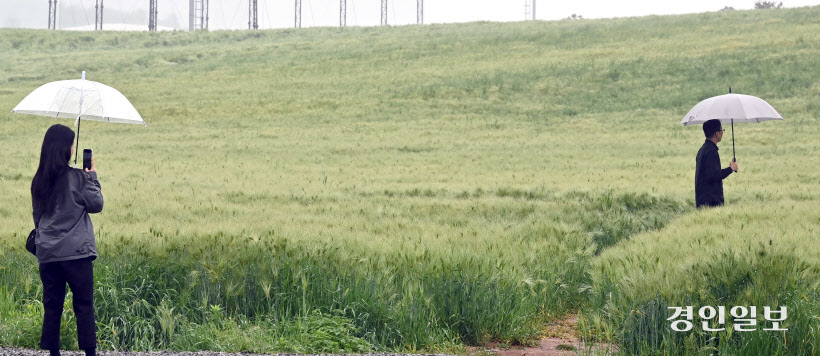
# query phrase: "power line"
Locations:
[[82, 5], [124, 11], [176, 15], [131, 9], [312, 19], [73, 17], [235, 11], [267, 18], [355, 18], [395, 19]]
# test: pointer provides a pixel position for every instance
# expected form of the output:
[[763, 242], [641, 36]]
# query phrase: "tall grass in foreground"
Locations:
[[287, 197], [159, 292], [735, 256]]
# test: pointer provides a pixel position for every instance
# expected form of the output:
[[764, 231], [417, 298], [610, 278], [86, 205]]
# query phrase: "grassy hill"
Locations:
[[427, 187]]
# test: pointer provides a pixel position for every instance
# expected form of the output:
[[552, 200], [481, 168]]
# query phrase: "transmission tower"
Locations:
[[152, 15], [198, 15], [204, 18], [52, 14], [99, 19], [191, 15], [533, 9], [342, 13], [529, 9], [420, 12], [297, 14], [253, 22], [384, 12]]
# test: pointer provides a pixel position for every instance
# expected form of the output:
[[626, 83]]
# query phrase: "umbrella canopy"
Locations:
[[731, 108], [80, 99]]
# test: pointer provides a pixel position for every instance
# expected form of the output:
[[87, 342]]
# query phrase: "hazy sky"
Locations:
[[233, 14]]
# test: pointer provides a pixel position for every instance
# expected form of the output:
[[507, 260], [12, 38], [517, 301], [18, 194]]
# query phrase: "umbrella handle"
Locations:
[[79, 121], [734, 158], [77, 145]]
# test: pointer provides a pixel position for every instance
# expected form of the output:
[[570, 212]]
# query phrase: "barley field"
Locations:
[[425, 188]]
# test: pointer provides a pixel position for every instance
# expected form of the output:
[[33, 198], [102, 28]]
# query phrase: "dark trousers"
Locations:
[[709, 205], [79, 274]]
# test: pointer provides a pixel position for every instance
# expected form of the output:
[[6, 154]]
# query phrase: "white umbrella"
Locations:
[[80, 100], [729, 109]]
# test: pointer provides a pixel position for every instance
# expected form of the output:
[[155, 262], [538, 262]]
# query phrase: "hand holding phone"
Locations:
[[88, 160]]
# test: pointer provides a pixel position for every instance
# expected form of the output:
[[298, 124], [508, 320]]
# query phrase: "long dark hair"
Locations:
[[54, 157]]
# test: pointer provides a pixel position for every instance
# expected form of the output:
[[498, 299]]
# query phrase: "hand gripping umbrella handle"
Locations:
[[734, 158]]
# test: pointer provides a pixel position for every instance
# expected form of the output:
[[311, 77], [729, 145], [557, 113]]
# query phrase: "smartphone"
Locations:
[[87, 154]]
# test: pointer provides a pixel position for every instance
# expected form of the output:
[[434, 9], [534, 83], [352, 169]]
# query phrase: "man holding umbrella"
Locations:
[[708, 175], [729, 108]]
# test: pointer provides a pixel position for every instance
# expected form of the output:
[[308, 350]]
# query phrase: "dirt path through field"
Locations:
[[560, 338]]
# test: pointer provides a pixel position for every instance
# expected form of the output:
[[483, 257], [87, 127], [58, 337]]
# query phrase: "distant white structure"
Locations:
[[118, 27]]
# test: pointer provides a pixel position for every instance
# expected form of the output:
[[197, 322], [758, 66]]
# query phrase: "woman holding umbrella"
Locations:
[[62, 198]]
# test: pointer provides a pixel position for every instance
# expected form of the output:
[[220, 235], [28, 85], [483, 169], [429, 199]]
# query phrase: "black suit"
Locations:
[[708, 176]]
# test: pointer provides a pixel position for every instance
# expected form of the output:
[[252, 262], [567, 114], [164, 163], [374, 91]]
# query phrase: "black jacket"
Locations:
[[708, 176], [67, 233]]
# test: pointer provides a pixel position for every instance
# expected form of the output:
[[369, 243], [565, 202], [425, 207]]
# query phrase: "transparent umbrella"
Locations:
[[80, 100]]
